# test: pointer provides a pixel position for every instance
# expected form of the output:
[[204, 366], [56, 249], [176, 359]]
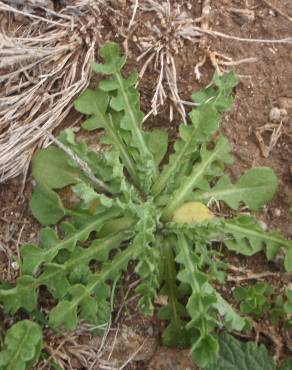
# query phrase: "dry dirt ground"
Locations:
[[264, 84]]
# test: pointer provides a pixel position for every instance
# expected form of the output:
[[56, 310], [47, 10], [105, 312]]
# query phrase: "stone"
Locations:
[[275, 114]]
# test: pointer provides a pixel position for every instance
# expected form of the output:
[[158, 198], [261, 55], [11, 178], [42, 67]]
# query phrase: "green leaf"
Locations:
[[65, 313], [219, 93], [148, 254], [288, 258], [255, 188], [111, 55], [176, 335], [204, 349], [287, 365], [94, 103], [46, 205], [51, 168], [247, 237], [33, 256], [197, 178], [204, 122], [157, 142], [236, 355], [240, 293], [232, 319], [205, 346], [22, 346], [126, 118], [22, 296]]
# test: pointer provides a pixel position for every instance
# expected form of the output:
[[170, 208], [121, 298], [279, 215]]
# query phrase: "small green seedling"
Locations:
[[254, 300]]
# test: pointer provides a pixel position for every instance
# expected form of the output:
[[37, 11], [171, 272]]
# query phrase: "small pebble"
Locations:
[[150, 331], [283, 112], [275, 114], [15, 266], [263, 225]]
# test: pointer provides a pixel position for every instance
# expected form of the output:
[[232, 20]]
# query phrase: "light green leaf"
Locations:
[[22, 295], [114, 62], [248, 238], [65, 313], [219, 94], [204, 349], [51, 168], [231, 317], [110, 271], [204, 122], [94, 103], [255, 188], [157, 142], [22, 346], [46, 205], [148, 254], [197, 178], [33, 256]]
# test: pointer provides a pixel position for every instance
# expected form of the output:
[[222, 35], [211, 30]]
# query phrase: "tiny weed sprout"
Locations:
[[141, 199]]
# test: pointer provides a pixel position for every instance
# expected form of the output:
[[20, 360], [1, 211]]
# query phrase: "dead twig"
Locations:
[[277, 10], [79, 162], [134, 354]]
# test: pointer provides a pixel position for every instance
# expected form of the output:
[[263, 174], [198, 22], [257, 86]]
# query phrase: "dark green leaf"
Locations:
[[236, 355], [50, 167], [46, 205], [22, 346]]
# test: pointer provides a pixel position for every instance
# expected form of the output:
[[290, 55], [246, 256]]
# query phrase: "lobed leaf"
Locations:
[[219, 93], [204, 122], [33, 256], [205, 346], [236, 355], [22, 346], [255, 188], [247, 237], [65, 313], [197, 178]]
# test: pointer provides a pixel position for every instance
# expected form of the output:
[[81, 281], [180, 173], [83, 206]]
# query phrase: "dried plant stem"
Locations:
[[41, 74], [277, 10], [287, 40], [80, 163]]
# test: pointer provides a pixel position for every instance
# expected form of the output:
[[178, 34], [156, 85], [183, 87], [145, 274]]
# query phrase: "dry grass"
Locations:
[[45, 63]]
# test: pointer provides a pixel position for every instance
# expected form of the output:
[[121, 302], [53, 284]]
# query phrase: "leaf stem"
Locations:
[[230, 227], [127, 160], [170, 278]]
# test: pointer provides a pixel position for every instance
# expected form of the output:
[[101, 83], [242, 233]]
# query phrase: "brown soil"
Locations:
[[264, 84]]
